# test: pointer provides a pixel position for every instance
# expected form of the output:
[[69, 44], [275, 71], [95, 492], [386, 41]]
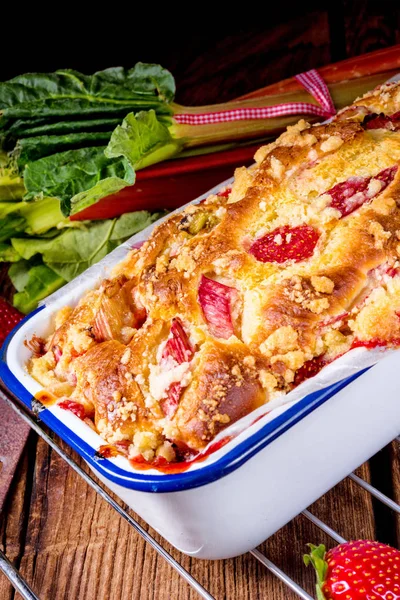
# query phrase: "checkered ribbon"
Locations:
[[313, 83], [310, 80]]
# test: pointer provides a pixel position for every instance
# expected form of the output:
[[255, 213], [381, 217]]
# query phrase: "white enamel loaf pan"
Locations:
[[273, 468]]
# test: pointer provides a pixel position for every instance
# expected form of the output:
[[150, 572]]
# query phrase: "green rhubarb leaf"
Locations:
[[146, 78], [102, 189], [62, 108], [130, 223], [67, 92], [29, 247], [70, 175], [7, 208], [42, 216], [71, 252], [34, 284], [11, 225], [61, 122], [75, 249], [143, 140], [8, 253], [34, 218], [11, 186], [29, 149], [23, 128], [140, 141], [19, 273]]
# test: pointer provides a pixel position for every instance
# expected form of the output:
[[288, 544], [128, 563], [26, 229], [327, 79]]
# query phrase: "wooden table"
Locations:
[[67, 542]]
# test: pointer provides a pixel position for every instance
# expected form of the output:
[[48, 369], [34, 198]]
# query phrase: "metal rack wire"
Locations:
[[23, 588]]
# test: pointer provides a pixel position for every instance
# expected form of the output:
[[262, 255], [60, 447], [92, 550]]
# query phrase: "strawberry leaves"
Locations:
[[357, 570], [317, 559]]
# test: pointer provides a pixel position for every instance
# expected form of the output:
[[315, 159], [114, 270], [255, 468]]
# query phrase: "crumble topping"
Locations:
[[300, 261], [332, 143], [380, 235], [322, 284]]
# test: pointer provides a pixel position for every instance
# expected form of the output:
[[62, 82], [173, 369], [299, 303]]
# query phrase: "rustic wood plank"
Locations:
[[395, 461], [13, 522], [252, 59], [13, 437], [78, 547], [346, 508], [370, 24]]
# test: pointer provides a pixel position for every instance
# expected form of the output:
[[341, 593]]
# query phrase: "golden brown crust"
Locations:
[[118, 402], [225, 387], [188, 357], [385, 99]]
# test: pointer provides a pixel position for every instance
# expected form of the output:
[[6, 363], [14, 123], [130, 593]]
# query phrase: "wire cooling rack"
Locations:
[[25, 591]]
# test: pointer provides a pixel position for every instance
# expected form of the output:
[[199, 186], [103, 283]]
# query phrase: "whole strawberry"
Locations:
[[361, 570], [9, 318]]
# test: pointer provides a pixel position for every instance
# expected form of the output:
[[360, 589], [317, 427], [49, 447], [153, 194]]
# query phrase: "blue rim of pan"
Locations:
[[149, 481]]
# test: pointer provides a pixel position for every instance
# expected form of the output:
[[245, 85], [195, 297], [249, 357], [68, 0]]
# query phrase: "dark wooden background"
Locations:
[[215, 52], [66, 541]]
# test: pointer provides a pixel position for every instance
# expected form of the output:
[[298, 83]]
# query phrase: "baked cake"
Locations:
[[236, 300]]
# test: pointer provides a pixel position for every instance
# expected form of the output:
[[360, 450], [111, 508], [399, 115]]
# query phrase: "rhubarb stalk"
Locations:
[[343, 93]]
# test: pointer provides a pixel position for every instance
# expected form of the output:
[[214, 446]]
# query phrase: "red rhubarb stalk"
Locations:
[[216, 302]]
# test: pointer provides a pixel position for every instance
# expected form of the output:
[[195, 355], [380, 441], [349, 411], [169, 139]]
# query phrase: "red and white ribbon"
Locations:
[[310, 80], [316, 86]]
